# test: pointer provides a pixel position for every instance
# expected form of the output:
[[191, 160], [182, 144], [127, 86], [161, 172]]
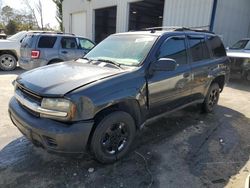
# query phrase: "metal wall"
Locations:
[[189, 13], [232, 20], [70, 7]]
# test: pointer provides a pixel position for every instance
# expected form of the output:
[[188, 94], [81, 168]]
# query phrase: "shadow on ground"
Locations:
[[185, 149], [17, 71]]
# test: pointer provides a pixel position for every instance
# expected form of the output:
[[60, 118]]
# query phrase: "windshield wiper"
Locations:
[[109, 61]]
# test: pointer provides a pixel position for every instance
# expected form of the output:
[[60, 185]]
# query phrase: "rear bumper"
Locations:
[[51, 135], [29, 64]]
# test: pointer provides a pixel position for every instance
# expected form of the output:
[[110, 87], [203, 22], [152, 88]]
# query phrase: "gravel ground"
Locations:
[[184, 149]]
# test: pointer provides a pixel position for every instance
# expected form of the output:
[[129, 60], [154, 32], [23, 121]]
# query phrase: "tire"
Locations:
[[212, 98], [8, 62], [112, 137]]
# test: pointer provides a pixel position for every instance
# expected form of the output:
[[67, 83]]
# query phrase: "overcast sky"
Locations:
[[49, 9]]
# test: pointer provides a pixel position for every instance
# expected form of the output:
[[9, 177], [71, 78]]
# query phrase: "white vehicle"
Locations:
[[239, 54], [10, 51]]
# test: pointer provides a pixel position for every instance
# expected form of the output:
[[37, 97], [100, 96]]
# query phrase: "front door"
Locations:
[[85, 46], [170, 89]]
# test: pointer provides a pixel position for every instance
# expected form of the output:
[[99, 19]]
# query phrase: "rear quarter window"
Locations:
[[217, 46], [46, 42]]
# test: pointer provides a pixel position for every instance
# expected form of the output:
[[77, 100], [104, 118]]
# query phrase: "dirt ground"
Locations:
[[185, 149]]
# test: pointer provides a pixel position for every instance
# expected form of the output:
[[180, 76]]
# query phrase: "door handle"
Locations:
[[186, 74], [64, 52]]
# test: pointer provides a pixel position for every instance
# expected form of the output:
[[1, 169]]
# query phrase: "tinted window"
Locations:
[[86, 44], [46, 42], [217, 47], [69, 43], [199, 49], [27, 41], [174, 48]]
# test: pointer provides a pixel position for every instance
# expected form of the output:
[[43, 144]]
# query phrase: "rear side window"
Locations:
[[46, 42], [27, 41], [217, 47], [174, 48], [85, 44], [198, 48], [69, 43]]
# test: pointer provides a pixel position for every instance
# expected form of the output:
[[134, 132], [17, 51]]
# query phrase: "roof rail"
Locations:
[[51, 32], [179, 28]]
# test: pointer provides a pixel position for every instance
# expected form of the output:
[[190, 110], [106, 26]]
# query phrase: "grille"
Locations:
[[28, 94], [30, 111]]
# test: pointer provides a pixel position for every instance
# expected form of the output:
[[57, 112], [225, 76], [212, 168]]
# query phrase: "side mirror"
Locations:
[[165, 64]]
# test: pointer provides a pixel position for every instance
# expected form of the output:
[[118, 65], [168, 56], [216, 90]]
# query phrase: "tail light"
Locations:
[[35, 54]]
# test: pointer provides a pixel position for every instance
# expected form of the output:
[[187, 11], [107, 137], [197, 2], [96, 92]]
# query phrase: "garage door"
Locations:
[[78, 23]]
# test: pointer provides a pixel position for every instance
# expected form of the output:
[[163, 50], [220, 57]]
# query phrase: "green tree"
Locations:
[[11, 27], [59, 12]]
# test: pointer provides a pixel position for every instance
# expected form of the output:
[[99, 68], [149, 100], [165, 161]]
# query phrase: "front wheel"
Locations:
[[7, 62], [113, 137], [212, 98]]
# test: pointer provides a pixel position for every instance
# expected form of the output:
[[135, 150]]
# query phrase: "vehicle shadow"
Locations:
[[180, 150], [17, 71]]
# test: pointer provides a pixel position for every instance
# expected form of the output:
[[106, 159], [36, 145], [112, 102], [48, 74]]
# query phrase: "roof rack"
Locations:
[[179, 28], [50, 32]]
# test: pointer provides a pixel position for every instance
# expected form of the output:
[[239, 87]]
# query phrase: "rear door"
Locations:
[[170, 89], [200, 64], [68, 48]]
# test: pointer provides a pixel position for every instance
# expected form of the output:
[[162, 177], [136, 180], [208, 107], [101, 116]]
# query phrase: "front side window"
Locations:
[[199, 49], [174, 48], [68, 43], [46, 42], [128, 50], [85, 44]]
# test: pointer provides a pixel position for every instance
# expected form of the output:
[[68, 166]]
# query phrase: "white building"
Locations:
[[96, 19]]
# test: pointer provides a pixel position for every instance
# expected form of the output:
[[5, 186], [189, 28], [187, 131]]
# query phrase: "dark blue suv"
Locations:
[[97, 103]]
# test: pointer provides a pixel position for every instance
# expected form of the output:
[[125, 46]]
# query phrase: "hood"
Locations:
[[8, 44], [61, 78], [6, 41]]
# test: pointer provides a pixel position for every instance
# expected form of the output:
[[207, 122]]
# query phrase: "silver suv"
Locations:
[[39, 49]]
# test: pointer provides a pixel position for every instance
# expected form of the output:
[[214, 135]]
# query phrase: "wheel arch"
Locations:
[[220, 80], [54, 60], [130, 106], [11, 52]]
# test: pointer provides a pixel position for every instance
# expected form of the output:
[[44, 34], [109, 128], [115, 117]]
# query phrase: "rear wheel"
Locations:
[[7, 62], [212, 98], [113, 137]]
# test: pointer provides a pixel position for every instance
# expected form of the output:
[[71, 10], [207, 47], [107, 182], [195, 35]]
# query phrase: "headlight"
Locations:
[[58, 108]]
